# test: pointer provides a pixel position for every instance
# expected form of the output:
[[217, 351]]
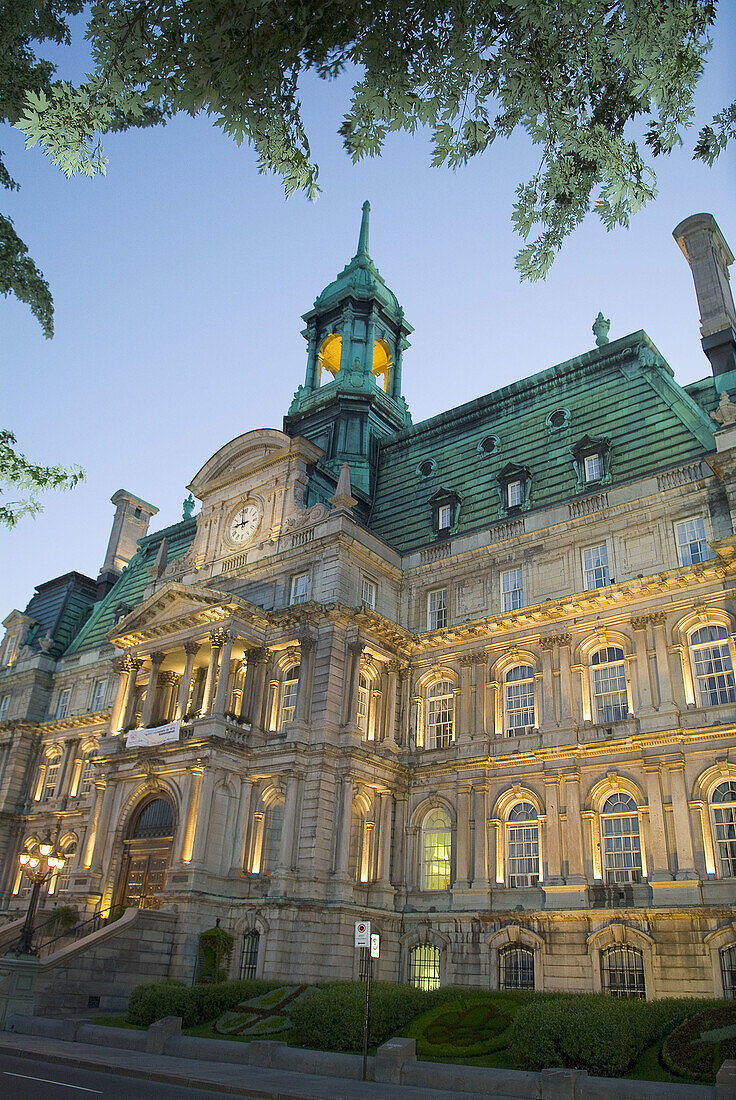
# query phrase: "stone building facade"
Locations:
[[470, 679]]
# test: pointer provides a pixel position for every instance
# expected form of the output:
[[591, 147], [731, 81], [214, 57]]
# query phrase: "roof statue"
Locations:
[[601, 325]]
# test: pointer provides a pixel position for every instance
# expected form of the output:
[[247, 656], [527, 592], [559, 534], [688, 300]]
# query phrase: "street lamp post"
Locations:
[[39, 870]]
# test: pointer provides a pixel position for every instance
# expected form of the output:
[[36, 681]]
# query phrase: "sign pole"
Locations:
[[365, 1022]]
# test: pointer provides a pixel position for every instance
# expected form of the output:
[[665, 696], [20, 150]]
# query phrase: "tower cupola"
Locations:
[[356, 335]]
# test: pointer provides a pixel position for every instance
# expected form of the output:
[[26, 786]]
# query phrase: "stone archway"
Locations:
[[147, 852]]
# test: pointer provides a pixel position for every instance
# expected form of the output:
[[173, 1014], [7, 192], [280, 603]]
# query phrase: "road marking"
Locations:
[[48, 1081]]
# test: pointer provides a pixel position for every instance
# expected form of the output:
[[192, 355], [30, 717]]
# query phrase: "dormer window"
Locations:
[[444, 504], [591, 460], [515, 484]]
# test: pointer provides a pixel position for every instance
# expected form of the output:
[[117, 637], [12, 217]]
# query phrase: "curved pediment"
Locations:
[[244, 455]]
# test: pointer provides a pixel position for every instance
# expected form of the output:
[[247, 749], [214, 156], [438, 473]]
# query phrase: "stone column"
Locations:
[[260, 667], [201, 829], [120, 666], [346, 818], [389, 732], [105, 800], [399, 843], [240, 840], [480, 854], [303, 706], [412, 857], [245, 698], [216, 641], [404, 705], [465, 721], [463, 838], [640, 623], [657, 862], [289, 827], [384, 840], [574, 822], [547, 720], [189, 823], [666, 700], [225, 643], [152, 690], [553, 876], [134, 664], [312, 368], [94, 817], [191, 649], [681, 814], [167, 681], [566, 708], [479, 687], [355, 649]]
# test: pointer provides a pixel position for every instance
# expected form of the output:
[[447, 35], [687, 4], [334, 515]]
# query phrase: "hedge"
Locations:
[[456, 1030], [195, 1004], [686, 1052], [603, 1035]]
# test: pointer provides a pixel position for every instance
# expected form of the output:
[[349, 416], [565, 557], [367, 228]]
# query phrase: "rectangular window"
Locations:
[[98, 695], [52, 778], [437, 609], [514, 494], [691, 543], [300, 588], [62, 707], [10, 650], [368, 592], [4, 705], [595, 567], [512, 590], [593, 467], [523, 857], [444, 517]]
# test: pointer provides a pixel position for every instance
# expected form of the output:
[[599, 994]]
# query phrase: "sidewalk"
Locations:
[[241, 1080]]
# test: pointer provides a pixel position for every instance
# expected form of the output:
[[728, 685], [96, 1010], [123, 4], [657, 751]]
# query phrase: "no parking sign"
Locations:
[[362, 933]]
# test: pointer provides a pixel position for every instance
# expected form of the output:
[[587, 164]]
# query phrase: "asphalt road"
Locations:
[[28, 1079]]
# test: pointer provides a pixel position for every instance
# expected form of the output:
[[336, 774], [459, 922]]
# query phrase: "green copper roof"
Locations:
[[361, 278], [127, 592], [622, 393]]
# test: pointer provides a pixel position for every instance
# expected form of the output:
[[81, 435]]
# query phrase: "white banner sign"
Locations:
[[362, 933], [157, 735]]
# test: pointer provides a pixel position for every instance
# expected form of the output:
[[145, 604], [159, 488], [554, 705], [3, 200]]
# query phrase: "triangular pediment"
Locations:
[[175, 607]]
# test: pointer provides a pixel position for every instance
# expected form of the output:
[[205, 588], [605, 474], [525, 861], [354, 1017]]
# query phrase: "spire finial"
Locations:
[[363, 238]]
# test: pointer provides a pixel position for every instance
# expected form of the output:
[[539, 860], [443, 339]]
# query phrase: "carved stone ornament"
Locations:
[[725, 414]]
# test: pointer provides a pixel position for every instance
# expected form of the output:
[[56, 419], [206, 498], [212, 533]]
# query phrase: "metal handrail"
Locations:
[[77, 931]]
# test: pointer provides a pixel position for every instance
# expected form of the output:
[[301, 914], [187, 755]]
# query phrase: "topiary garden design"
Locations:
[[263, 1016], [698, 1047]]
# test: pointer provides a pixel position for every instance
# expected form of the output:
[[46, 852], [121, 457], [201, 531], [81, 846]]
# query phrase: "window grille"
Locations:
[[621, 841], [622, 971], [713, 665], [424, 966], [155, 820], [249, 958], [728, 971], [522, 845], [516, 968]]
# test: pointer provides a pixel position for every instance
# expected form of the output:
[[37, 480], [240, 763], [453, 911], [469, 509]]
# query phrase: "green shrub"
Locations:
[[603, 1035], [692, 1051], [197, 1004], [215, 948]]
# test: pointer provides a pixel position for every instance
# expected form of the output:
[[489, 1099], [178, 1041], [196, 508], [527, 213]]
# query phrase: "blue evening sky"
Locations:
[[180, 278]]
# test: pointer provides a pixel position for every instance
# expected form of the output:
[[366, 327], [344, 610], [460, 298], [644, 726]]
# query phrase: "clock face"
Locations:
[[244, 524]]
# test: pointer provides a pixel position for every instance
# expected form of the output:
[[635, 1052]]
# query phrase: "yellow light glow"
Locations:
[[24, 858], [329, 355], [382, 362], [45, 849], [33, 863]]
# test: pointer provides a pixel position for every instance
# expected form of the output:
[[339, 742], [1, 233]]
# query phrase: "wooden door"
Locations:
[[144, 876]]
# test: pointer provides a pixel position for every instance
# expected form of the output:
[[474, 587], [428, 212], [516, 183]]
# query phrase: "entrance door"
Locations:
[[144, 877]]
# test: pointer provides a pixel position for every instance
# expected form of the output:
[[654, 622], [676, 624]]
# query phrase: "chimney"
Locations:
[[710, 257], [132, 517]]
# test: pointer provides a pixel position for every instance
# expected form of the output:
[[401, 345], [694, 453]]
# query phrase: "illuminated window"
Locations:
[[518, 695], [364, 698], [622, 971], [692, 546], [4, 705], [289, 690], [328, 358], [608, 685], [512, 590], [88, 774], [620, 839], [595, 567], [382, 364], [522, 845], [368, 592], [728, 971], [62, 707], [440, 715], [300, 588], [436, 851], [98, 695], [424, 966], [712, 665], [10, 650], [52, 778], [515, 967], [723, 811], [437, 609]]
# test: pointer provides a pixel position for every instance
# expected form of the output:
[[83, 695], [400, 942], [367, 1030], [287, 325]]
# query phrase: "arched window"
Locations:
[[723, 811], [440, 715], [712, 665], [608, 684], [622, 971], [522, 845], [249, 958], [328, 358], [516, 967], [518, 698], [364, 698], [728, 971], [289, 688], [382, 364], [436, 851], [620, 839], [154, 818], [424, 966]]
